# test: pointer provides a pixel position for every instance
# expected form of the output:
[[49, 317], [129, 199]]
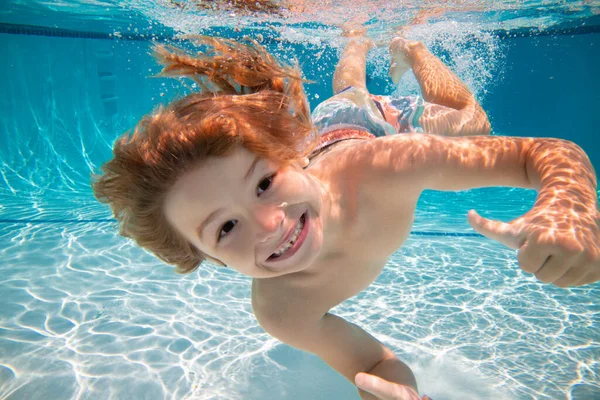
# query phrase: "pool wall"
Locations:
[[85, 314], [66, 99]]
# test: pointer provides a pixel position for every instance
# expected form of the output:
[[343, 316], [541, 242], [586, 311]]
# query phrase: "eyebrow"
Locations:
[[208, 220], [212, 215], [252, 168]]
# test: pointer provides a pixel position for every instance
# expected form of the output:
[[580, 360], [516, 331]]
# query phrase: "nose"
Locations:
[[268, 219]]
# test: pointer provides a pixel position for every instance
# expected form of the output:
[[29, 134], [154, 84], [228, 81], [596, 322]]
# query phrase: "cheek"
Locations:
[[237, 250]]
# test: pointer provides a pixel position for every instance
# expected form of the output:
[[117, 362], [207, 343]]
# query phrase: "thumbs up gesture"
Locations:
[[560, 244]]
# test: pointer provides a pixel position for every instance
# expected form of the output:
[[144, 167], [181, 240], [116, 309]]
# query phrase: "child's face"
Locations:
[[257, 217]]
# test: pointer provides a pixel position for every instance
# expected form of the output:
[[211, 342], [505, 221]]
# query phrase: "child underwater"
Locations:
[[312, 206]]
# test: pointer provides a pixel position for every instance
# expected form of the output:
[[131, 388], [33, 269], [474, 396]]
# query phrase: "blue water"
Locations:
[[85, 314]]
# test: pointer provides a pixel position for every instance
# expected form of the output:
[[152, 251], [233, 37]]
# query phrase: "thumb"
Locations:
[[495, 230]]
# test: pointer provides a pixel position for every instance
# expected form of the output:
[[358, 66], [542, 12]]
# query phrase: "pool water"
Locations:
[[85, 314]]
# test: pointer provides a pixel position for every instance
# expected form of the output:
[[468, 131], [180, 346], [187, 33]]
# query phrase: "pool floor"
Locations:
[[87, 315]]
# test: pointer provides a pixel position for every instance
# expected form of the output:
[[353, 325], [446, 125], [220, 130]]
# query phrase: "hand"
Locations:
[[385, 390], [560, 244]]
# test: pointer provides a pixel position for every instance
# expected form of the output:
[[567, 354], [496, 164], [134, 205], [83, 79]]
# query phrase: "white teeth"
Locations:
[[293, 239]]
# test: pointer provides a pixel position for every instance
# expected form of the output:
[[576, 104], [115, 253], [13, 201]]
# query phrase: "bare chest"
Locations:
[[373, 221], [377, 231]]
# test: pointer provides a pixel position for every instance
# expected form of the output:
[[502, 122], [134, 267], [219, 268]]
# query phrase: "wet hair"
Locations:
[[246, 99]]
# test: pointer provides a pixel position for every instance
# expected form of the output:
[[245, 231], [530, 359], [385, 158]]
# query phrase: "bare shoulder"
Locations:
[[404, 151], [423, 161], [373, 163], [397, 151]]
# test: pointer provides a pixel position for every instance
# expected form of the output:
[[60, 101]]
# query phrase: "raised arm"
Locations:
[[558, 239]]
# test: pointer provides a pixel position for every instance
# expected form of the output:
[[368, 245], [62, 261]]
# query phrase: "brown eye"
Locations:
[[226, 228], [264, 185]]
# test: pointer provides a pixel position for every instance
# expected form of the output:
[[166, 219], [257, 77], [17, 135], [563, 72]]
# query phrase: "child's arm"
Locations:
[[349, 350], [558, 239]]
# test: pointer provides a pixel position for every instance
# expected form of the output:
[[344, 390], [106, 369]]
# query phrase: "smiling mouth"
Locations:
[[295, 241]]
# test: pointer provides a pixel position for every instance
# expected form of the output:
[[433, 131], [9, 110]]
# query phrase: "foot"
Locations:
[[358, 32], [400, 50], [352, 29]]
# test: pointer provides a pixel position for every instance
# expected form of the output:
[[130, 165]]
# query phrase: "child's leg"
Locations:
[[351, 69], [453, 109]]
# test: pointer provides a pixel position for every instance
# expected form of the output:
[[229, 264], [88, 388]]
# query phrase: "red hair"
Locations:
[[246, 99]]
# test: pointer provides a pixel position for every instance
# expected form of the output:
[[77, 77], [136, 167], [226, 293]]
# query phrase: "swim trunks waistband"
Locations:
[[338, 135]]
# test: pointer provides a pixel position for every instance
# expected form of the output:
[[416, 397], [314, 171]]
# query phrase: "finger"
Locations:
[[554, 268], [495, 230], [531, 258], [383, 389], [573, 277], [374, 385]]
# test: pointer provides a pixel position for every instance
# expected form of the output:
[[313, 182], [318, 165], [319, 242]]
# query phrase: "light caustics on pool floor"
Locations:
[[87, 315]]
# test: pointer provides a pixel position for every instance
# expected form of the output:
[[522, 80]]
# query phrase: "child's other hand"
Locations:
[[385, 390], [559, 244]]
